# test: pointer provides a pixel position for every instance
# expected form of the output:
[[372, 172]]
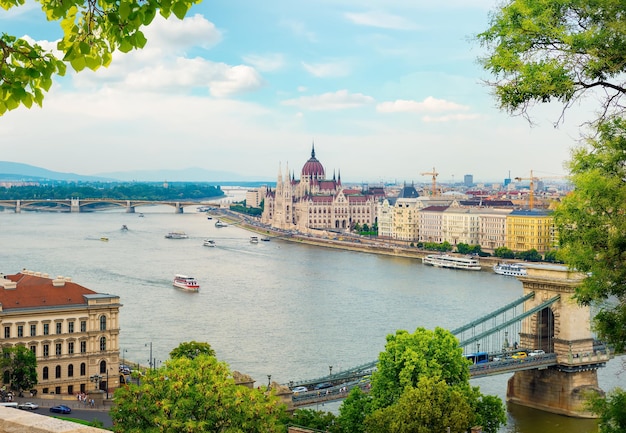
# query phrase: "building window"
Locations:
[[46, 329], [20, 331], [57, 349], [57, 390], [70, 389], [70, 370], [7, 332], [59, 325], [83, 326], [70, 347], [33, 330], [103, 323], [82, 369], [57, 372], [46, 350], [83, 347], [103, 367], [45, 373], [70, 327], [33, 349], [103, 343]]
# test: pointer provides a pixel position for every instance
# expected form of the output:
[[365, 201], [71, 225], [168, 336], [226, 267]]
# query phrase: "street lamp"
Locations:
[[269, 378], [330, 370], [150, 360], [96, 378]]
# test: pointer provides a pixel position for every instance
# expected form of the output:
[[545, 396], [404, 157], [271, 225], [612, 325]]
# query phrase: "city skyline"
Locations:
[[385, 90]]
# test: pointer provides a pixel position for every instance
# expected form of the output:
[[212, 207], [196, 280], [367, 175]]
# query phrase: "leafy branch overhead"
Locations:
[[542, 51], [92, 31]]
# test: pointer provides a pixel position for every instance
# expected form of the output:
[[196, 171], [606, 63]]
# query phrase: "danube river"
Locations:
[[273, 308]]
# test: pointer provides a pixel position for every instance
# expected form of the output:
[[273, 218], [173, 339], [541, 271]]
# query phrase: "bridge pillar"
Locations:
[[129, 208], [178, 208], [563, 328], [18, 206], [74, 205]]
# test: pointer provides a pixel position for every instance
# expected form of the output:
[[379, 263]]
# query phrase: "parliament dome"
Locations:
[[313, 168]]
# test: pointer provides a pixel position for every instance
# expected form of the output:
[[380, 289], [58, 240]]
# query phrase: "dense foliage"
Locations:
[[195, 394], [544, 50], [191, 350], [116, 191], [20, 366], [91, 32]]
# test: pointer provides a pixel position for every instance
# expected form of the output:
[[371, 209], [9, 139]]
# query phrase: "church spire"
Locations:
[[313, 150]]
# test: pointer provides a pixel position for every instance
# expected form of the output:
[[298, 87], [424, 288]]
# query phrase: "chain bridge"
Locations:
[[544, 338]]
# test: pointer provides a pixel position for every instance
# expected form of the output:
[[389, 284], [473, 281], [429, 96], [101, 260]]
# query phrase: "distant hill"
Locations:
[[14, 171]]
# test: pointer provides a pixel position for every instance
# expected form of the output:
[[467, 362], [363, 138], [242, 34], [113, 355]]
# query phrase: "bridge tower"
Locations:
[[129, 207], [563, 328], [74, 204]]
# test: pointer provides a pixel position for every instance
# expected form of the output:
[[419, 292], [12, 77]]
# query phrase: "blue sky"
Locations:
[[386, 90]]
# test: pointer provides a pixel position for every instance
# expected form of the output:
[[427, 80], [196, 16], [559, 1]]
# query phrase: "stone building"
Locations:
[[314, 202], [73, 331]]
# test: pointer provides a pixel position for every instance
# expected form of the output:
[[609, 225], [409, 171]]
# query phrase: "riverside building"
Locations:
[[72, 330], [316, 203]]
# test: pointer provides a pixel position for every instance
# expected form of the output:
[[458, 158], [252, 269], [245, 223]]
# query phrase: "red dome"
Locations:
[[313, 167]]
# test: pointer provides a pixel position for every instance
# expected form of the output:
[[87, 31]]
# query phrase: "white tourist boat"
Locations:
[[184, 282], [452, 262], [219, 224], [176, 235], [254, 239], [209, 243], [510, 269]]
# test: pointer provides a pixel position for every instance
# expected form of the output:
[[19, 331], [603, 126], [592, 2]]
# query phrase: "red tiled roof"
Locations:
[[34, 291]]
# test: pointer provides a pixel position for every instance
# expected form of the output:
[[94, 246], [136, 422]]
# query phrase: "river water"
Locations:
[[273, 308]]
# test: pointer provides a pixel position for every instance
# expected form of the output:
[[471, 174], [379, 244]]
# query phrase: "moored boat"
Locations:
[[219, 224], [265, 239], [186, 283], [510, 269], [452, 262], [254, 239], [209, 243], [176, 235]]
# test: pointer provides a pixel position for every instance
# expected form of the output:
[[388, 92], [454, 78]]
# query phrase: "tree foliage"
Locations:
[[313, 419], [611, 410], [544, 50], [191, 350], [592, 227], [21, 363], [91, 32], [198, 395]]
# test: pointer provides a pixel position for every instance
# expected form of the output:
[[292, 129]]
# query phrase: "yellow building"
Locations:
[[73, 331], [530, 229]]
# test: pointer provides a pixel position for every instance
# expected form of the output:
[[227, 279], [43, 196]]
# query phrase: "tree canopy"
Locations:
[[21, 365], [195, 394], [191, 350], [544, 50], [592, 228], [91, 32]]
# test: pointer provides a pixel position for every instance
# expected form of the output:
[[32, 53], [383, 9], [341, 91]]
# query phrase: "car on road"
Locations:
[[323, 385], [299, 389], [28, 406], [519, 355], [536, 352], [61, 408]]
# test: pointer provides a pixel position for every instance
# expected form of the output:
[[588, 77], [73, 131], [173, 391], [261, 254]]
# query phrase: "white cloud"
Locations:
[[450, 118], [174, 35], [339, 100], [381, 20], [327, 70], [299, 29], [429, 104], [267, 63]]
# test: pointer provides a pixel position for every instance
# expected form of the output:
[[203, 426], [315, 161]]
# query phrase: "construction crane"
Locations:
[[532, 179], [434, 174]]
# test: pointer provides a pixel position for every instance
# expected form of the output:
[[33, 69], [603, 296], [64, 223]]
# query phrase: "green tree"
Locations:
[[313, 419], [611, 410], [541, 51], [432, 406], [21, 364], [92, 31], [504, 253], [592, 228], [463, 248], [353, 411], [198, 395], [191, 350], [531, 255]]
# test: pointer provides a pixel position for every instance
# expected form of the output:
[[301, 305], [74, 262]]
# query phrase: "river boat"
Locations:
[[140, 215], [124, 228], [265, 239], [186, 283], [452, 262], [104, 239], [254, 239], [220, 224], [209, 243], [510, 269], [176, 235]]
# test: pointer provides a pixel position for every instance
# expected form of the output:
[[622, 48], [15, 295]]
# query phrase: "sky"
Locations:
[[385, 89]]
